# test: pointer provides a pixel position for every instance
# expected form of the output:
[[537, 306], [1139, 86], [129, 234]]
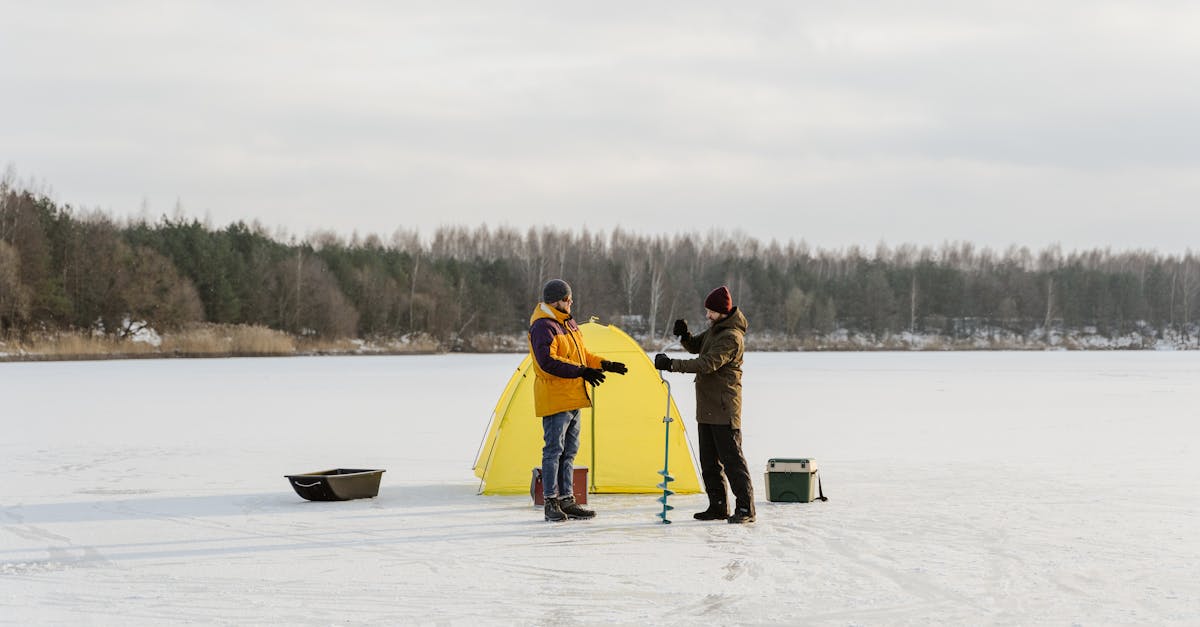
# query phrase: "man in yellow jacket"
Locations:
[[564, 370]]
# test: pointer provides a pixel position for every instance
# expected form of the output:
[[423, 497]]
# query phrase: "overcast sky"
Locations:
[[836, 123]]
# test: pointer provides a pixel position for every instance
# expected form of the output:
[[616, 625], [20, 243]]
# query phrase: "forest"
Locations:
[[65, 270]]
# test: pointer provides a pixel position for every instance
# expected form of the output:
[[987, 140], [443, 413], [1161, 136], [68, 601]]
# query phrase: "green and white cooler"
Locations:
[[791, 480]]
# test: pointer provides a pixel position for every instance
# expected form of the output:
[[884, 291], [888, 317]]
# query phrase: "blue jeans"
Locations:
[[560, 432]]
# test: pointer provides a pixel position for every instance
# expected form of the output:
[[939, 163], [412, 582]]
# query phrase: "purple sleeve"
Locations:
[[541, 337]]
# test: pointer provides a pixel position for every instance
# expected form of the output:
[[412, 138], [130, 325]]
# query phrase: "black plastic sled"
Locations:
[[339, 484]]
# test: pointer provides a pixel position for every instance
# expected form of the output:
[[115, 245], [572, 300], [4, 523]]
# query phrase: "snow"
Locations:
[[965, 488]]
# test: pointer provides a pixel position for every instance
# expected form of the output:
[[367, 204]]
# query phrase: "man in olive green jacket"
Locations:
[[718, 370]]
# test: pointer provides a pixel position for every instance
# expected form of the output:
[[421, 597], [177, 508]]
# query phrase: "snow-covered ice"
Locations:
[[965, 488]]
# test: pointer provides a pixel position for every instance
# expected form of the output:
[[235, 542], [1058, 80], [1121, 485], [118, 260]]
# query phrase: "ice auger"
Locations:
[[666, 475]]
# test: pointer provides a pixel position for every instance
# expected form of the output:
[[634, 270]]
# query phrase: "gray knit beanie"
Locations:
[[555, 290]]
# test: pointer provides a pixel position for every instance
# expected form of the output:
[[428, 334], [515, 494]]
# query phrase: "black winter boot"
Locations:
[[554, 512], [573, 510], [715, 511], [741, 515]]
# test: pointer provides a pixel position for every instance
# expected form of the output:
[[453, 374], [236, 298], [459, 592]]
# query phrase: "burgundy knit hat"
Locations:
[[719, 300]]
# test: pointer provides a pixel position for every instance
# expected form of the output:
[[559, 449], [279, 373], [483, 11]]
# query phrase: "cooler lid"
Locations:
[[791, 464]]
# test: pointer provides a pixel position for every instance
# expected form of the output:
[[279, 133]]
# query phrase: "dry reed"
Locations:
[[76, 344], [228, 339]]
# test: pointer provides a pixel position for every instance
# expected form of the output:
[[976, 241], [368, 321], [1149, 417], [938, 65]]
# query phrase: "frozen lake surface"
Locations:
[[965, 488]]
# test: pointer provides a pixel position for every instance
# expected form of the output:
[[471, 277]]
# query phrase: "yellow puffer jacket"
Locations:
[[559, 357]]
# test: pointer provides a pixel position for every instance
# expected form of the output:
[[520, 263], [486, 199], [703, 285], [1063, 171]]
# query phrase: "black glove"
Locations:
[[680, 329], [662, 362], [593, 376], [613, 366]]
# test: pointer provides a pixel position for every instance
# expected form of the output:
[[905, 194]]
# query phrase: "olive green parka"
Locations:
[[718, 370]]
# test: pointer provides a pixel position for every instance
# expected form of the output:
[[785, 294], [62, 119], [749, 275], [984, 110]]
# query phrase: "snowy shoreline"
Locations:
[[839, 341]]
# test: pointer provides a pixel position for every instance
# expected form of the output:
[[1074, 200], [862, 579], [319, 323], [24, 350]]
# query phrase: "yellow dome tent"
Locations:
[[621, 440]]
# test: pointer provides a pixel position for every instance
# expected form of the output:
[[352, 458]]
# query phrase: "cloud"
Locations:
[[838, 123]]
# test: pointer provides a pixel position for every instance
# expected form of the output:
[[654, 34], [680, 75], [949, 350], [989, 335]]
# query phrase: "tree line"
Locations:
[[64, 269]]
